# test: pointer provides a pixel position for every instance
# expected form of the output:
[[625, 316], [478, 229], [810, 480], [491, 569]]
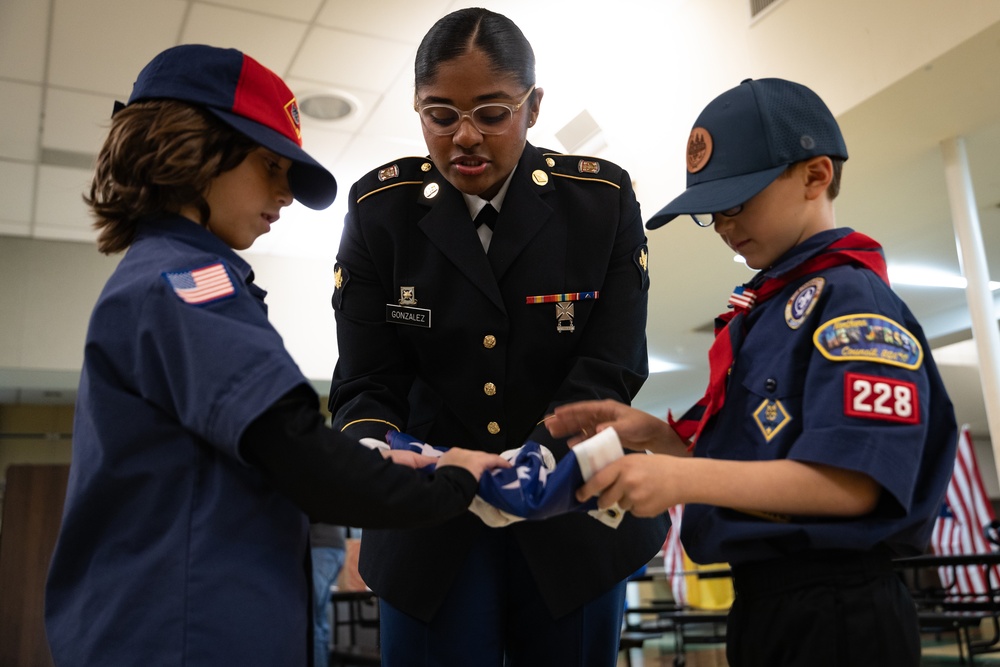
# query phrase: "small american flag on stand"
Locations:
[[960, 528], [673, 557], [201, 286]]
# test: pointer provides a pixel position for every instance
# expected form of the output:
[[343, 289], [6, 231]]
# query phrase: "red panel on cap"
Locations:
[[263, 97]]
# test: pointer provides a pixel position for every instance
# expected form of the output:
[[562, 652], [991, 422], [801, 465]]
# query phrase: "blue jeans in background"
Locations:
[[326, 564]]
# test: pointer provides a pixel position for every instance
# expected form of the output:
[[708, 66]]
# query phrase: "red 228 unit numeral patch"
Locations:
[[874, 397]]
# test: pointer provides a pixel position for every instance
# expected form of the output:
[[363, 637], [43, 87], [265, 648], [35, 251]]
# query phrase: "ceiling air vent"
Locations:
[[757, 6]]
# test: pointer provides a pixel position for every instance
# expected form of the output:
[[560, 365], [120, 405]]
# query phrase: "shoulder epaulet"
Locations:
[[583, 167], [404, 171]]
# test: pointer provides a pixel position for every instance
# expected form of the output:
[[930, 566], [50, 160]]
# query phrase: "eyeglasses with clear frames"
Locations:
[[489, 118], [708, 219]]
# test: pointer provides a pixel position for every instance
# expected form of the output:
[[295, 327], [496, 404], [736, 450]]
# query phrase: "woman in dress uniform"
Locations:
[[477, 289]]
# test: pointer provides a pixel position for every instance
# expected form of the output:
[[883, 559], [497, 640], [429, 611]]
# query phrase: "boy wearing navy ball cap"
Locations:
[[825, 441], [199, 453]]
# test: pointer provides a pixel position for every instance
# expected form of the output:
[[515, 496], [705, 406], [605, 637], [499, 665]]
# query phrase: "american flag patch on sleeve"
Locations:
[[200, 286]]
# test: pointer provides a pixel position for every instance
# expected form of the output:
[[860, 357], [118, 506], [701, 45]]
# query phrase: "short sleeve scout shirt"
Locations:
[[172, 550], [833, 370]]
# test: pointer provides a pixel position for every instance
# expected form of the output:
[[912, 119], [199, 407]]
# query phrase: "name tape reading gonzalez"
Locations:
[[414, 317], [560, 298]]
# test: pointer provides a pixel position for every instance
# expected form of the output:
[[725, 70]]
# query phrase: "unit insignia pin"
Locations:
[[407, 296]]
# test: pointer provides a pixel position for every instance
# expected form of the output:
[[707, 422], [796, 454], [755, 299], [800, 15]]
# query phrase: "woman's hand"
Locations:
[[475, 462], [409, 458], [636, 429]]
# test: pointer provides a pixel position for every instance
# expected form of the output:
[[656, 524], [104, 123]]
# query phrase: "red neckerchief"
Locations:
[[854, 248]]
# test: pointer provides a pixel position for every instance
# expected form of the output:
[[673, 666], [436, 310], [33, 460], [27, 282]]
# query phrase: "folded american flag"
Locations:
[[535, 487]]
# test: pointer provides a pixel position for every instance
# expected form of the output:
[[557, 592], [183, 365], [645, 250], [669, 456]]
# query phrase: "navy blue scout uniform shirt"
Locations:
[[172, 549], [833, 370], [437, 339], [166, 391]]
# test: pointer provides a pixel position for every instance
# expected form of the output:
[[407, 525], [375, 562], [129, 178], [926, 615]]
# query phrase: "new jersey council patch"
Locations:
[[868, 337]]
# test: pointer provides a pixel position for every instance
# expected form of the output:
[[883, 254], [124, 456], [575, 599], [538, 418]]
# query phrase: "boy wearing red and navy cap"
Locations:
[[825, 441], [199, 453]]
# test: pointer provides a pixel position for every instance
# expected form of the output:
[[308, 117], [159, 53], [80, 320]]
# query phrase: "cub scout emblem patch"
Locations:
[[868, 337], [771, 417], [802, 302], [699, 149]]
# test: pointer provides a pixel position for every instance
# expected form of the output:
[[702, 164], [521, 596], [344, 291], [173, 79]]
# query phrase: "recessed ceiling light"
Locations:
[[326, 106]]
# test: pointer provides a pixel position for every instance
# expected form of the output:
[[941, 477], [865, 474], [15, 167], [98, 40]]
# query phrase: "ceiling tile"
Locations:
[[346, 59], [20, 107], [24, 28], [403, 20], [17, 192], [326, 146], [299, 10], [270, 41], [394, 116], [59, 208], [76, 122], [131, 33]]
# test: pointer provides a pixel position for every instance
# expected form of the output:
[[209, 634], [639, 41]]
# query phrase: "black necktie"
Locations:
[[487, 216]]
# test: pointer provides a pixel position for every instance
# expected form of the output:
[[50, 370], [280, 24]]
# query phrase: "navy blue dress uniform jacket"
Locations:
[[437, 339]]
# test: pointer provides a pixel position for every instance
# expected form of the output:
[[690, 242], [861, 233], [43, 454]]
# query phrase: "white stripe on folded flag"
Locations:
[[965, 513], [673, 557]]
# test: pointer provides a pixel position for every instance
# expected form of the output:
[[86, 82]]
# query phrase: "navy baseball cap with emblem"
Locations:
[[246, 96], [745, 138]]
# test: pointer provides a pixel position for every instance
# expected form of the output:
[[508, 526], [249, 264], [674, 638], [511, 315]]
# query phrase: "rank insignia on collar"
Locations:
[[407, 295]]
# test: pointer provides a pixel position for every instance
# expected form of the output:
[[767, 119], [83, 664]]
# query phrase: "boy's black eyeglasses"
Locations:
[[489, 118], [706, 219]]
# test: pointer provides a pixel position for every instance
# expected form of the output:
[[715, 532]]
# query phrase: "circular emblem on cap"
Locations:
[[699, 149], [431, 190]]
